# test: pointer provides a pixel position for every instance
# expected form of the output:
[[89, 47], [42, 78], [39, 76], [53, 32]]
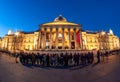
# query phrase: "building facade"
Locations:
[[113, 41], [59, 35], [90, 40]]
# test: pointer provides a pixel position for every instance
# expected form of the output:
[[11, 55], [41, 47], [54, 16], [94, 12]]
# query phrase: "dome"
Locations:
[[10, 32], [60, 18]]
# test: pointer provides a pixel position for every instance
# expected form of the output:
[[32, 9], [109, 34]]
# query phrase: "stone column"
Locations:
[[62, 38], [50, 38], [56, 38], [39, 40], [44, 38], [75, 38], [69, 38]]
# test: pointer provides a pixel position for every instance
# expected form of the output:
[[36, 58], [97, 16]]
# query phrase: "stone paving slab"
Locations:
[[103, 72]]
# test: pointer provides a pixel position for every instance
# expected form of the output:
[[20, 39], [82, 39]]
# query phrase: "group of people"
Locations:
[[56, 59], [63, 58]]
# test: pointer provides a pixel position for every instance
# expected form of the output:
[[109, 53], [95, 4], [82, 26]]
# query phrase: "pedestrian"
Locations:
[[44, 59], [16, 57], [48, 60], [107, 55], [92, 57], [33, 58], [75, 58], [98, 57], [70, 58], [66, 59]]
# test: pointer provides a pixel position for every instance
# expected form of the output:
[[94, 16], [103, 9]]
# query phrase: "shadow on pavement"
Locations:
[[71, 67], [95, 64]]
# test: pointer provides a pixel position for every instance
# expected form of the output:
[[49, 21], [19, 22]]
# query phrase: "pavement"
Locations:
[[107, 71]]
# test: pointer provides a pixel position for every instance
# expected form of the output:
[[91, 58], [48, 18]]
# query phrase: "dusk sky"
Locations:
[[26, 15]]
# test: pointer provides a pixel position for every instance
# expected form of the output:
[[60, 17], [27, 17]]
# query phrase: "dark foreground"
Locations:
[[107, 71]]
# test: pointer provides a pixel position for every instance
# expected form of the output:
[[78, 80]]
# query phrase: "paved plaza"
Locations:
[[108, 71]]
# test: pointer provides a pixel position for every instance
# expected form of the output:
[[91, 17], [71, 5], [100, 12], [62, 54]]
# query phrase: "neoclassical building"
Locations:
[[59, 35]]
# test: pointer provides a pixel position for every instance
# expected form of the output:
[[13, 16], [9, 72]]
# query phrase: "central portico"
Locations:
[[60, 34]]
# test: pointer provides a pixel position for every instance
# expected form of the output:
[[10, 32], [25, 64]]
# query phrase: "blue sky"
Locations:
[[26, 15]]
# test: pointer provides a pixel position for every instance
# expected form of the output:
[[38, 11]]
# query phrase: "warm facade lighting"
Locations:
[[60, 35]]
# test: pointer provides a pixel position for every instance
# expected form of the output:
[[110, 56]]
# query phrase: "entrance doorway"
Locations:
[[60, 41], [72, 45]]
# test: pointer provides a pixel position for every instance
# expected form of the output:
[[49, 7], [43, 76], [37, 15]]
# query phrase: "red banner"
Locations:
[[78, 37]]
